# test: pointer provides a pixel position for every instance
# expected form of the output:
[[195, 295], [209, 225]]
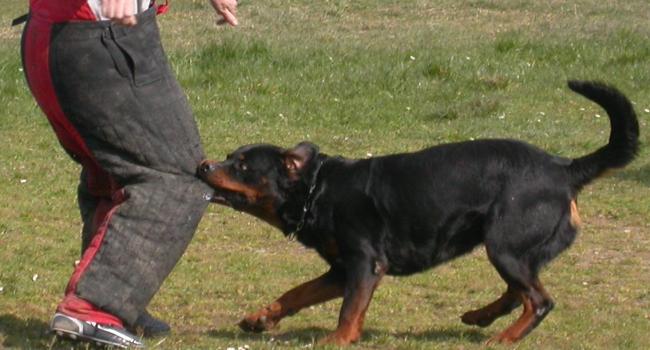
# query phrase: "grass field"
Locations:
[[357, 77]]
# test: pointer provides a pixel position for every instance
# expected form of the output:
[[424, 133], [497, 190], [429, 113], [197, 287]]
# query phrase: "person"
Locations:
[[98, 71]]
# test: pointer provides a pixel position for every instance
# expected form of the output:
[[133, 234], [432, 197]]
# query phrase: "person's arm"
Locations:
[[122, 11]]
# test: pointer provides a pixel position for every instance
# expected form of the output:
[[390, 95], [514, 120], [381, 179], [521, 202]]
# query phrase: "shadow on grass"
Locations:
[[641, 175], [312, 334], [445, 335], [24, 333], [33, 333], [305, 335]]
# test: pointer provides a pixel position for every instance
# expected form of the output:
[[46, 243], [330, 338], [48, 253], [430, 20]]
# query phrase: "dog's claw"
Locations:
[[500, 339]]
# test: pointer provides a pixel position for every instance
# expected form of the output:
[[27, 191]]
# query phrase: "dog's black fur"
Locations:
[[405, 213]]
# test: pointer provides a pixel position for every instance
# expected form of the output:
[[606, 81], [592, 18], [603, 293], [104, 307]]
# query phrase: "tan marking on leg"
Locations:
[[310, 293], [353, 314], [576, 222], [518, 329], [485, 316]]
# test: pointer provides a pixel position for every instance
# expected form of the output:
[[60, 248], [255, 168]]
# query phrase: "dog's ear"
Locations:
[[296, 158]]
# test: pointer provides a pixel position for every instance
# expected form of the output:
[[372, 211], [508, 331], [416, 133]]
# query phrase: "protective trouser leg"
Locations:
[[121, 99], [88, 204]]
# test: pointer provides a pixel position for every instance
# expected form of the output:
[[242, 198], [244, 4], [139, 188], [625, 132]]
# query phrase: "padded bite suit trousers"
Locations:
[[117, 109]]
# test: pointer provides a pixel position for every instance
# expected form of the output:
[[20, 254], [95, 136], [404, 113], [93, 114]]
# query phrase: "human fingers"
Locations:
[[229, 17], [227, 9], [110, 7], [128, 12], [127, 21], [119, 11]]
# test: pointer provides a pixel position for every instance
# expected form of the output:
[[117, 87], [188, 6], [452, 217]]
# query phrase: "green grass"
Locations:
[[357, 77]]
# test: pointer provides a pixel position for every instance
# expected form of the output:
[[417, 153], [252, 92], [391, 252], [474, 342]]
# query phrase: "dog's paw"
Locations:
[[334, 339], [256, 323], [476, 318]]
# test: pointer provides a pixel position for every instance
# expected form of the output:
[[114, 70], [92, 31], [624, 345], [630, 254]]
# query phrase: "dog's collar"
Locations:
[[308, 202]]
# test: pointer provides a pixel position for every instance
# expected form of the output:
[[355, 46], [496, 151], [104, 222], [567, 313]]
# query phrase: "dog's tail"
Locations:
[[623, 139]]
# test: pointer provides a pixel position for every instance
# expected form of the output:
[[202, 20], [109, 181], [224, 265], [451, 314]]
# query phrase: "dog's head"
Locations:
[[263, 180]]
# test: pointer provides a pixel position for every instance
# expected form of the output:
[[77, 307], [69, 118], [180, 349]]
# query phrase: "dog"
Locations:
[[405, 213]]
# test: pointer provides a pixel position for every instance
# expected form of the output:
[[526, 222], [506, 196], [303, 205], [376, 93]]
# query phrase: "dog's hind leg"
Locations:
[[525, 233], [319, 290], [484, 316], [537, 304]]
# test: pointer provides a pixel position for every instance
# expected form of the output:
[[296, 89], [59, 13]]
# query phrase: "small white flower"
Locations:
[[22, 181], [408, 108], [412, 58], [2, 289], [585, 283], [597, 116], [502, 116], [368, 154], [336, 99], [582, 108], [542, 113], [35, 277], [647, 110]]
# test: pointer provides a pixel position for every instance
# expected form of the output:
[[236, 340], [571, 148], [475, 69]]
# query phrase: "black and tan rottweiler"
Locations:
[[405, 213]]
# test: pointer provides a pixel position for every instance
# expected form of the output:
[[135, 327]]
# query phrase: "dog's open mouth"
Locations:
[[228, 198], [219, 199]]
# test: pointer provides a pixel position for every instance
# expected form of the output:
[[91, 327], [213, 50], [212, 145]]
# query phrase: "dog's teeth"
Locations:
[[208, 197]]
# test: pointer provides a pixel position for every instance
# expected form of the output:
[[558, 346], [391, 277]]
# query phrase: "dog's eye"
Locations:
[[242, 166]]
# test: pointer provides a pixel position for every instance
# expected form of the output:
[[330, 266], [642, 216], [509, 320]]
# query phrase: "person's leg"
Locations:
[[146, 324], [103, 326], [88, 204], [136, 121], [153, 212]]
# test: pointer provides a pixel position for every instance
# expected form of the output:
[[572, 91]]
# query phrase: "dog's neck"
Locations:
[[297, 216], [309, 197]]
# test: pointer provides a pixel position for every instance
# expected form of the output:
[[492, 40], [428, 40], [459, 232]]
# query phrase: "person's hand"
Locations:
[[227, 9], [119, 11]]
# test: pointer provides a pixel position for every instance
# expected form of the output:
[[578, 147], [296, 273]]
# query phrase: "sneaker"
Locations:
[[76, 329], [148, 326]]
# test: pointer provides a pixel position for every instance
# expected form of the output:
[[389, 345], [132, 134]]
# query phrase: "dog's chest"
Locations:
[[323, 243]]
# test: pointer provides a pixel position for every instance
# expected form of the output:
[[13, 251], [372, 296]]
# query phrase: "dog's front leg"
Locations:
[[362, 278], [326, 287]]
